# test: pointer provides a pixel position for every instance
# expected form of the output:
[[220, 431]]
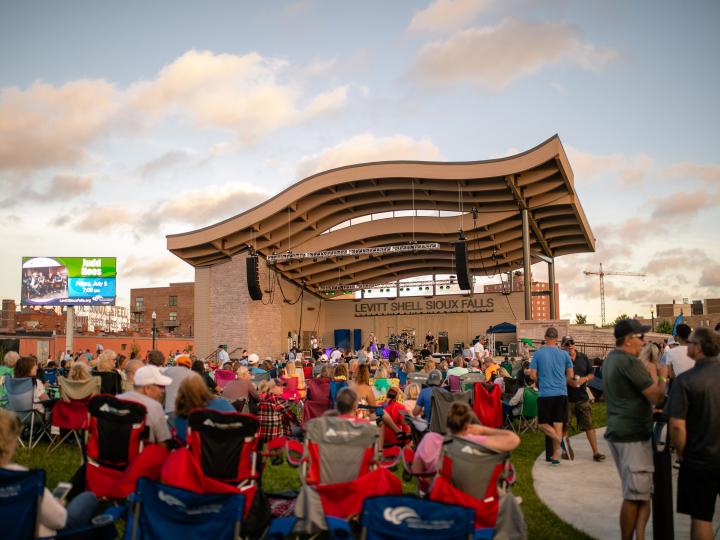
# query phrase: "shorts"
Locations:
[[583, 413], [698, 487], [634, 462], [552, 410]]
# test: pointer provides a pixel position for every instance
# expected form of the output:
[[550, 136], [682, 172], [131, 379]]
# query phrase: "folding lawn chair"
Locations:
[[318, 399], [440, 403], [223, 377], [471, 475], [110, 382], [528, 411], [159, 511], [115, 439], [20, 496], [71, 412], [411, 518], [21, 401]]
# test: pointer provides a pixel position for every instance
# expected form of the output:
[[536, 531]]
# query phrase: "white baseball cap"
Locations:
[[253, 359], [147, 375]]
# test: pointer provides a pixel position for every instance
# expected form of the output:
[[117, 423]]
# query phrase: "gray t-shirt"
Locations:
[[155, 418], [178, 374]]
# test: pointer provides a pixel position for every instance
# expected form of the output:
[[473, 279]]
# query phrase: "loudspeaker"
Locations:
[[253, 278], [444, 344], [464, 277]]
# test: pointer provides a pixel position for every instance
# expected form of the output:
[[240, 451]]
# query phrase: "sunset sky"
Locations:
[[121, 122]]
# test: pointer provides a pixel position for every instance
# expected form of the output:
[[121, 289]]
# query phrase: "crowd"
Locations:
[[637, 379]]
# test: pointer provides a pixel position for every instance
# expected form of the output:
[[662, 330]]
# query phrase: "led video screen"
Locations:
[[68, 281]]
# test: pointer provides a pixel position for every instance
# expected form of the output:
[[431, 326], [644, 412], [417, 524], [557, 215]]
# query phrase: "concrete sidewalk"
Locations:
[[588, 494]]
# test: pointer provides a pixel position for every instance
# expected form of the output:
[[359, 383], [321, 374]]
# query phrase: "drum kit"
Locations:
[[406, 339]]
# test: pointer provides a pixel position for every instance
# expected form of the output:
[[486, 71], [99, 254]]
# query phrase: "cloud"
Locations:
[[46, 125], [627, 169], [668, 261], [167, 161], [710, 275], [157, 269], [365, 147], [246, 94], [61, 187], [684, 203], [495, 56], [709, 173], [447, 15]]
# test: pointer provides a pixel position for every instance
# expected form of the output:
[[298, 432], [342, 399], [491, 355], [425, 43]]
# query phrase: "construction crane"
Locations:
[[602, 273]]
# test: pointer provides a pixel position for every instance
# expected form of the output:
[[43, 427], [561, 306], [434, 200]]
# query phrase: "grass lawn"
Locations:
[[542, 522]]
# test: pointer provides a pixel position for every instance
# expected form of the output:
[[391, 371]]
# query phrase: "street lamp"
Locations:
[[652, 318], [154, 318]]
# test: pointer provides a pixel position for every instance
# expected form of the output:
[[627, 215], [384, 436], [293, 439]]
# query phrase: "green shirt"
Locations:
[[629, 413]]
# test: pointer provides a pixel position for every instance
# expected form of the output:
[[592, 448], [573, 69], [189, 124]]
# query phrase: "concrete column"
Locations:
[[526, 263], [551, 283], [69, 328]]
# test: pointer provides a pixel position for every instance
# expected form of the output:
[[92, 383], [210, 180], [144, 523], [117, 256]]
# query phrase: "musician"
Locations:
[[372, 346], [430, 341], [314, 347]]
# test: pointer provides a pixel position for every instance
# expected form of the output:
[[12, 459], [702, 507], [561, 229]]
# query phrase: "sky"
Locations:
[[121, 122]]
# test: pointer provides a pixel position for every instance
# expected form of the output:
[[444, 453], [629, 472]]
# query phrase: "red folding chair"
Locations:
[[223, 377], [71, 411]]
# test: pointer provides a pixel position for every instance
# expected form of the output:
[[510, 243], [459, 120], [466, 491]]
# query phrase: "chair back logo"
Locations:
[[404, 515]]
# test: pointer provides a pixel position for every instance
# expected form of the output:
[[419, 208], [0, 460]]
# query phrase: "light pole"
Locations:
[[652, 318], [154, 318]]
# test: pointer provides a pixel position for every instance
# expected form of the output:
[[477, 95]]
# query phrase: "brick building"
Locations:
[[540, 295], [174, 306]]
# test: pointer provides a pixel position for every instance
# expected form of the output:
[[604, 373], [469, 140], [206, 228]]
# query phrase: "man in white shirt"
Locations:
[[478, 349], [676, 357], [148, 388], [223, 355]]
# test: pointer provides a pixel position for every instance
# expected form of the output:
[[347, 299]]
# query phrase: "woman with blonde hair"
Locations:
[[106, 360], [291, 370], [361, 386], [382, 383], [52, 514], [429, 366], [79, 372], [240, 388], [340, 373], [195, 394], [412, 391]]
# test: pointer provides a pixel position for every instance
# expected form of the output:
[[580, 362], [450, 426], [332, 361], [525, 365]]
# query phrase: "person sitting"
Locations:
[[52, 516], [148, 389], [27, 367], [382, 383], [254, 364], [193, 394], [490, 368], [6, 370], [340, 373], [361, 386], [178, 373], [79, 372], [513, 406], [422, 406], [290, 372], [459, 424], [274, 413], [412, 391], [393, 412], [130, 370], [199, 367], [240, 388], [458, 369]]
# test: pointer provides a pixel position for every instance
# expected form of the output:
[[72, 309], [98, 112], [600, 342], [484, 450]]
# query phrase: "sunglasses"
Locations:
[[639, 336], [570, 342]]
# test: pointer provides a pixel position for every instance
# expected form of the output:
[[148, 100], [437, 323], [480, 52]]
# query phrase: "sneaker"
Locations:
[[554, 462], [599, 457], [566, 445]]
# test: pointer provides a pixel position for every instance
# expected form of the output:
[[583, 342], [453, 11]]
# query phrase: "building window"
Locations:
[[139, 301], [140, 317], [172, 301], [173, 316], [123, 346]]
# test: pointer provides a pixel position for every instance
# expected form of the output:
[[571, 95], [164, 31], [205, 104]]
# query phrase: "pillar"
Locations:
[[526, 263], [551, 283]]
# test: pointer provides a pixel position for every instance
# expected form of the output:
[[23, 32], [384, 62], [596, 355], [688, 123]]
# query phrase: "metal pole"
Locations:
[[551, 280], [526, 263], [153, 335], [69, 328]]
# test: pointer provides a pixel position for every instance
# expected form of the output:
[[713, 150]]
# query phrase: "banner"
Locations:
[[68, 281]]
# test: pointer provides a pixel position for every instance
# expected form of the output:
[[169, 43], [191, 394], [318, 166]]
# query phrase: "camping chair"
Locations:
[[110, 382], [318, 399], [257, 378], [161, 511], [440, 403], [454, 383], [511, 386], [335, 387], [71, 411], [223, 377], [225, 445], [21, 401], [469, 380], [408, 517], [20, 496], [290, 389], [115, 439], [528, 411], [418, 378], [50, 377], [487, 404], [471, 475]]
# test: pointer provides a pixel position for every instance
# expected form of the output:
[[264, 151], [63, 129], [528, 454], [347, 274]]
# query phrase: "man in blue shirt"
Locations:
[[553, 370], [422, 405]]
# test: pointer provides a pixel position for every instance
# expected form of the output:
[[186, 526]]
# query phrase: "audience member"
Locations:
[[412, 391], [240, 388], [26, 366], [678, 358], [422, 406], [274, 413], [178, 373], [193, 394], [148, 388]]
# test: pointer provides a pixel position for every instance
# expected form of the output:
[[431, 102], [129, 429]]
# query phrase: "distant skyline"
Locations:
[[123, 122]]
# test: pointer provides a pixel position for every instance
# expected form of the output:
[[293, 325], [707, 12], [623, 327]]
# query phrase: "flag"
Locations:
[[678, 321]]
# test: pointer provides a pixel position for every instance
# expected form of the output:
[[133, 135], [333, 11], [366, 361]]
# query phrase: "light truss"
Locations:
[[394, 285], [357, 252]]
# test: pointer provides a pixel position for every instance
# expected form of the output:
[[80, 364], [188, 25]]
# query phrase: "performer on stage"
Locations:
[[430, 341], [372, 346], [314, 347]]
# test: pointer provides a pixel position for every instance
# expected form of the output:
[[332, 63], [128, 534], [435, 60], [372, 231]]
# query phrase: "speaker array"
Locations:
[[253, 278], [464, 277]]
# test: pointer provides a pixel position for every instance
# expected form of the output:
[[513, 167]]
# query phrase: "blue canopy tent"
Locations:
[[502, 328]]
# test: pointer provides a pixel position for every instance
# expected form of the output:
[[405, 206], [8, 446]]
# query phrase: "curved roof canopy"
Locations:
[[428, 202]]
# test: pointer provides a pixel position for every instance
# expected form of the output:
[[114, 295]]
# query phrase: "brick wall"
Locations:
[[157, 299]]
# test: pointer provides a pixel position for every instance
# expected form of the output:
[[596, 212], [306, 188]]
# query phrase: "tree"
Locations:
[[621, 317], [580, 318], [663, 327]]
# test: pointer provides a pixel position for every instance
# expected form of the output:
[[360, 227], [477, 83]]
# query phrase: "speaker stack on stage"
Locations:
[[253, 277], [443, 343], [462, 270]]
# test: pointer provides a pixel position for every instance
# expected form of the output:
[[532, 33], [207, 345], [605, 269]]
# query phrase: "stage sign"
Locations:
[[68, 281], [420, 307]]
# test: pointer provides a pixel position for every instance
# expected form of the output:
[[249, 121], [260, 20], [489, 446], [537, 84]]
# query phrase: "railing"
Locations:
[[171, 324], [594, 350], [137, 309]]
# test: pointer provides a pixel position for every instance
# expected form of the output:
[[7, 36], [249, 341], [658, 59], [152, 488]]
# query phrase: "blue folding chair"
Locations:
[[20, 496], [159, 511], [406, 517], [335, 387], [21, 398]]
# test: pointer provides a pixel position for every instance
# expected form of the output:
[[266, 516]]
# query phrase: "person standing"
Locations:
[[223, 355], [677, 358], [694, 411], [578, 400], [631, 389], [552, 369]]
